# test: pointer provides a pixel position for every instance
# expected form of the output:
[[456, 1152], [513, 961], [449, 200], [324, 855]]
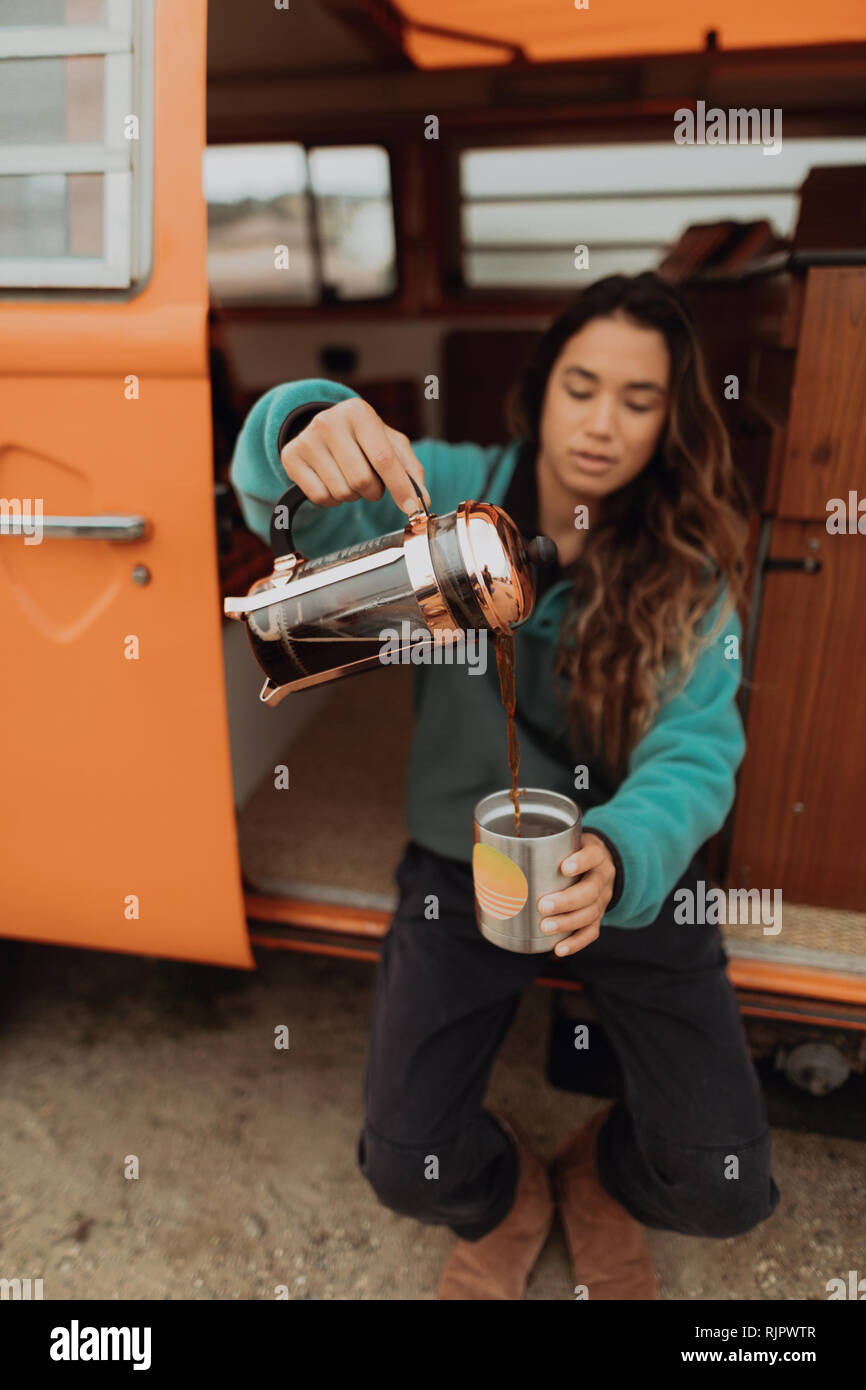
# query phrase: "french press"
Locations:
[[317, 620]]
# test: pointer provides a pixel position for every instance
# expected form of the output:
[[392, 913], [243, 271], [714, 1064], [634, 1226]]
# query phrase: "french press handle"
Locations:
[[282, 542]]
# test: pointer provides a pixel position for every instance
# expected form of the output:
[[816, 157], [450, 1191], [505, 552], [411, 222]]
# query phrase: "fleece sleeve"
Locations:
[[256, 473], [680, 782], [452, 472]]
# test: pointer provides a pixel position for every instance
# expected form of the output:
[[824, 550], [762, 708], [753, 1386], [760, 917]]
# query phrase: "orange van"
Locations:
[[139, 812]]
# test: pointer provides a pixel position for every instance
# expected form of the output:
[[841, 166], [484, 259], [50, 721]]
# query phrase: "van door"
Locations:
[[116, 816]]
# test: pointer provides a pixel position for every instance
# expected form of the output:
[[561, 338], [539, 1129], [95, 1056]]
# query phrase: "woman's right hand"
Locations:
[[347, 452]]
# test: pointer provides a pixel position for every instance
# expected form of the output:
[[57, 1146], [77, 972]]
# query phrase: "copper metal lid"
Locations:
[[497, 564]]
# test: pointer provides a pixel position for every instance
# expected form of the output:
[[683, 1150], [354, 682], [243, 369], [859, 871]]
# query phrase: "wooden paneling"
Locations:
[[480, 366], [826, 442], [769, 381], [747, 328], [833, 209], [757, 450], [775, 306], [806, 744]]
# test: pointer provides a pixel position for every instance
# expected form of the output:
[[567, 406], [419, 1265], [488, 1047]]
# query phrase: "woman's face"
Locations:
[[605, 406]]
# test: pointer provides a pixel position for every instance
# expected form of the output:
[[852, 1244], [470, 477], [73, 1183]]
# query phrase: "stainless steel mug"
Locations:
[[510, 872]]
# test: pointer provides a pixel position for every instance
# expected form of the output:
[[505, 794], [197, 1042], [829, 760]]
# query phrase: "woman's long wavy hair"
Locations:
[[660, 550]]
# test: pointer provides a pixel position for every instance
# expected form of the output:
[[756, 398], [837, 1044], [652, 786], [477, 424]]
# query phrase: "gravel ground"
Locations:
[[247, 1177]]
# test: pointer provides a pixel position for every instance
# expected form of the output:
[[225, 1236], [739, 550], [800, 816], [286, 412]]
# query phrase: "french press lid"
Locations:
[[469, 568]]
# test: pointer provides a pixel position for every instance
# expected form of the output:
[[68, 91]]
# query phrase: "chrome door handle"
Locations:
[[80, 528]]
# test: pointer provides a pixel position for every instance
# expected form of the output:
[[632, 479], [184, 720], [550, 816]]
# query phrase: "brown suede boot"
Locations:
[[498, 1265], [607, 1247]]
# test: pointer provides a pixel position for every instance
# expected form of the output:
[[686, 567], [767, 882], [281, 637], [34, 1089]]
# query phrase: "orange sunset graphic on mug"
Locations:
[[500, 886]]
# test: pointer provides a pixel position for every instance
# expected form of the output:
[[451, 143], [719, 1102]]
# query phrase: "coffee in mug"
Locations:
[[511, 869]]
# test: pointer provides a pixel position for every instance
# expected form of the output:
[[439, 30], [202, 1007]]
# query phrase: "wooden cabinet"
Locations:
[[825, 455], [800, 818], [799, 437]]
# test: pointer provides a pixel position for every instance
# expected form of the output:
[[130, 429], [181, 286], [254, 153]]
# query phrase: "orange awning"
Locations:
[[554, 30]]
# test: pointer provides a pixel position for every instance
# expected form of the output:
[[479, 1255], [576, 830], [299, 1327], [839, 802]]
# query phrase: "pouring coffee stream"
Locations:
[[504, 644]]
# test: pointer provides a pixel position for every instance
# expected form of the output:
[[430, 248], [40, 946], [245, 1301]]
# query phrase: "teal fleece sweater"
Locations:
[[679, 784]]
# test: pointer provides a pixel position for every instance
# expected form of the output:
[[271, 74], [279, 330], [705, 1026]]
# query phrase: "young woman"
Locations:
[[627, 673]]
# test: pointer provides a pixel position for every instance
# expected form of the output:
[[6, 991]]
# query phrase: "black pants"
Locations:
[[687, 1150]]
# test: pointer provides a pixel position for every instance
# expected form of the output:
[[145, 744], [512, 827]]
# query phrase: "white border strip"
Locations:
[[62, 159], [62, 41], [73, 272]]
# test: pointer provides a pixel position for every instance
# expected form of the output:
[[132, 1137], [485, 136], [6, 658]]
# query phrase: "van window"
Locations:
[[299, 226], [524, 211], [76, 117]]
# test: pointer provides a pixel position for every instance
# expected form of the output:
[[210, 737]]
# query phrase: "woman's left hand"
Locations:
[[580, 908]]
